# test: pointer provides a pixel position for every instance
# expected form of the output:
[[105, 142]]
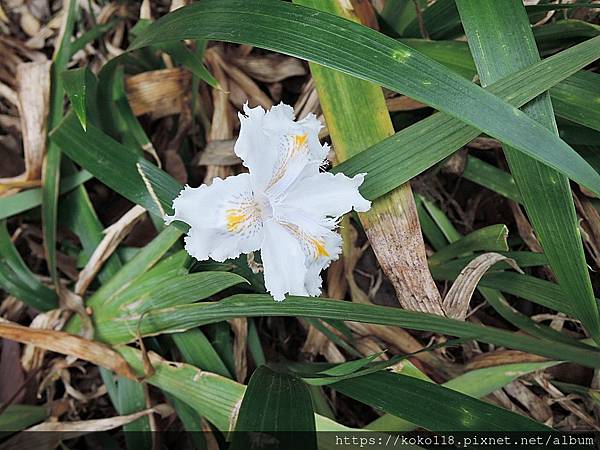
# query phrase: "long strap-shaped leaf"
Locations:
[[404, 396], [409, 152], [17, 279], [502, 42], [175, 319], [357, 50], [52, 159], [278, 405], [573, 99]]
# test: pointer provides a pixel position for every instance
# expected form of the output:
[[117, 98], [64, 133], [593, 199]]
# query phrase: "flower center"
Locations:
[[263, 206]]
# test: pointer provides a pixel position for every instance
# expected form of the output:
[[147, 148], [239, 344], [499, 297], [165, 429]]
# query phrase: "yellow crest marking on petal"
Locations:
[[300, 142], [319, 247], [312, 245], [235, 218], [296, 144]]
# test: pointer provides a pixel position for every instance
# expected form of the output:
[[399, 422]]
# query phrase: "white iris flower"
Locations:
[[284, 207]]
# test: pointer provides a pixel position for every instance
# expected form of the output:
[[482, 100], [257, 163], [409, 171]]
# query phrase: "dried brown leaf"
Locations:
[[502, 357], [403, 103], [270, 68], [537, 407], [219, 153], [308, 101], [48, 435], [33, 356], [145, 10], [33, 93], [68, 344], [158, 92], [9, 94], [240, 341], [253, 93], [113, 235], [456, 303], [393, 228], [29, 24]]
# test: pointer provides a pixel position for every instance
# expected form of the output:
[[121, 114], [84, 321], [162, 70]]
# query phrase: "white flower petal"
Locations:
[[224, 218], [314, 281], [327, 195], [283, 262], [276, 149], [319, 243], [322, 250], [252, 148]]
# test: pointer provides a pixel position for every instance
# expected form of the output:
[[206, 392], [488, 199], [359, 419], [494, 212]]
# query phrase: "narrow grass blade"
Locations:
[[131, 399], [51, 171], [76, 83], [31, 198], [117, 168], [578, 99], [453, 54], [17, 279], [165, 292], [491, 238], [522, 322], [196, 349], [574, 98], [139, 265], [489, 176], [563, 32], [144, 260], [91, 35], [191, 61]]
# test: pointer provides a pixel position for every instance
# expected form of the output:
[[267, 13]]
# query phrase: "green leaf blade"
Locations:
[[443, 410], [279, 403], [176, 319], [501, 41]]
